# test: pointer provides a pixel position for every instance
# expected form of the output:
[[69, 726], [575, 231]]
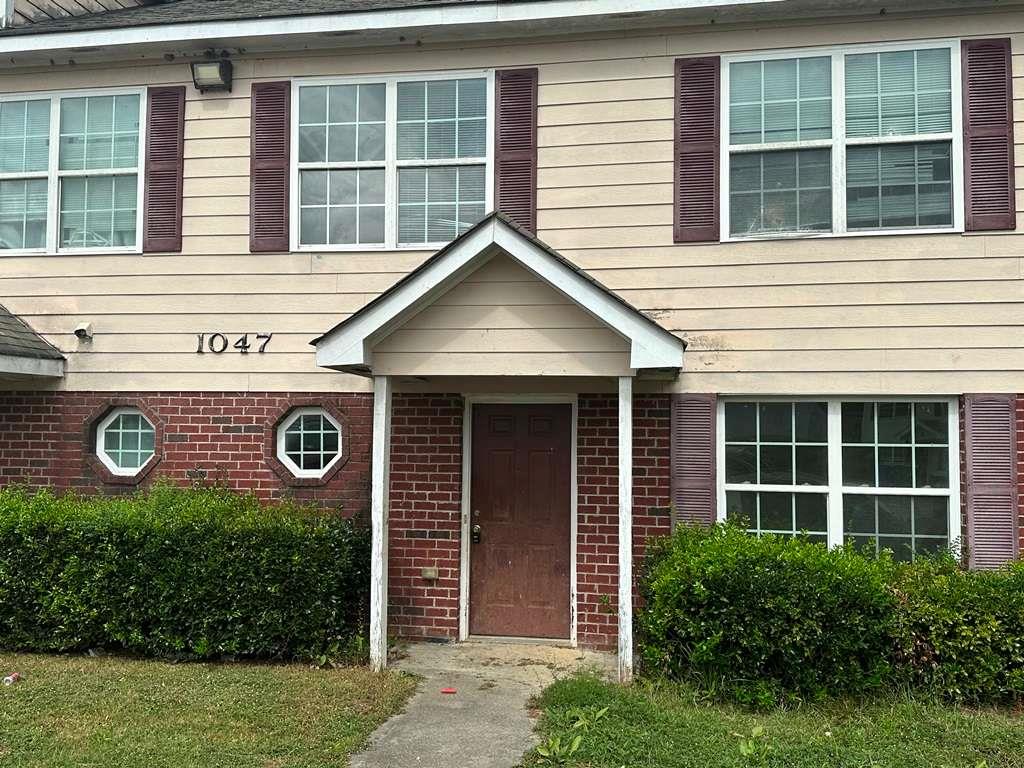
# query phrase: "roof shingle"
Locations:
[[18, 340]]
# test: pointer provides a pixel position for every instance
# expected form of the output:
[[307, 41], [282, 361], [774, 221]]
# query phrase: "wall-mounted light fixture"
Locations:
[[212, 75]]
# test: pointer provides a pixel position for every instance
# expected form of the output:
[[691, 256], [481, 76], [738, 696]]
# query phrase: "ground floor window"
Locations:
[[882, 473], [125, 441]]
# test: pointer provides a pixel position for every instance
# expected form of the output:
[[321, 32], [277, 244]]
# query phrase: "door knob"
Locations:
[[476, 534]]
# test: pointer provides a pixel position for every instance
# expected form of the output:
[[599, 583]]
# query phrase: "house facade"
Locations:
[[524, 283]]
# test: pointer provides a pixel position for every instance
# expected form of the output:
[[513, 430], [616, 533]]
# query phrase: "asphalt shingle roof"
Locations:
[[18, 340], [183, 11]]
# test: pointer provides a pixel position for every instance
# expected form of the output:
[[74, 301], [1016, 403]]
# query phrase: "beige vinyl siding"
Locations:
[[874, 314], [502, 321]]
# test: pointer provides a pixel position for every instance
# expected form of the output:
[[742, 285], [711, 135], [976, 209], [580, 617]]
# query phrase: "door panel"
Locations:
[[520, 496]]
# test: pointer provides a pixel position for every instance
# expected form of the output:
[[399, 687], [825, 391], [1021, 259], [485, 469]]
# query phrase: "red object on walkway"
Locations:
[[448, 690]]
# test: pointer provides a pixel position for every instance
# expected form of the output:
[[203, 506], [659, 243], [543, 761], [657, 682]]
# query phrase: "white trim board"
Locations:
[[31, 366], [469, 400], [348, 346], [405, 19]]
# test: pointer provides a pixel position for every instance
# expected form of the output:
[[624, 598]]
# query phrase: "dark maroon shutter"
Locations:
[[269, 167], [991, 474], [988, 135], [165, 152], [515, 145], [694, 486], [695, 217]]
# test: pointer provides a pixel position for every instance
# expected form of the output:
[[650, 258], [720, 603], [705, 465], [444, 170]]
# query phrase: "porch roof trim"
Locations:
[[349, 345], [23, 352]]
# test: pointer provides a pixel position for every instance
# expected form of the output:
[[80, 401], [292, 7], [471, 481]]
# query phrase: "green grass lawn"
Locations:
[[109, 711], [665, 725]]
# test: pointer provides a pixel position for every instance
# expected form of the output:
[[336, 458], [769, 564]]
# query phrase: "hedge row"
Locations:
[[194, 573], [763, 620]]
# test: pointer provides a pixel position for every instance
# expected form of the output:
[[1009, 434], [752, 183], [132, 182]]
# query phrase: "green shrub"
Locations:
[[178, 572], [756, 618], [759, 620], [961, 633]]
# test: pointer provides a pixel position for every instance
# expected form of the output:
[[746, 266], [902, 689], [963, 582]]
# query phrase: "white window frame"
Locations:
[[391, 163], [839, 142], [54, 175], [282, 455], [835, 488], [101, 452]]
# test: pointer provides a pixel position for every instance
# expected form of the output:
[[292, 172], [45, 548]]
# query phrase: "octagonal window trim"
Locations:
[[134, 445], [293, 417]]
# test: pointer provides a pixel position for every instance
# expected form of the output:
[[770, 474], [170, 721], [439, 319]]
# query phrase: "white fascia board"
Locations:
[[350, 345], [364, 21], [31, 366]]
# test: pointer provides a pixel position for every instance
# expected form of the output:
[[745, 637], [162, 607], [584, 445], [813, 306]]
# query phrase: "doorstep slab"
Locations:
[[486, 722]]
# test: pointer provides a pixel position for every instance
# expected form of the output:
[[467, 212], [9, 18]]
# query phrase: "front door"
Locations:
[[520, 499]]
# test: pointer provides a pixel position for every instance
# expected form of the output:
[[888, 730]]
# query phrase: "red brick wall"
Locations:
[[227, 437], [598, 499], [426, 478], [221, 437]]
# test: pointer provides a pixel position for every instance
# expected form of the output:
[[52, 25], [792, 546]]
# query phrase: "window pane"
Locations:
[[780, 100], [812, 465], [776, 465], [99, 132], [787, 191], [931, 424], [776, 422], [23, 213], [907, 525], [442, 119], [895, 467], [439, 203], [343, 207], [740, 464], [898, 93], [785, 514], [811, 422], [858, 422], [740, 422], [341, 123], [98, 211], [858, 466], [893, 422], [24, 135], [899, 186]]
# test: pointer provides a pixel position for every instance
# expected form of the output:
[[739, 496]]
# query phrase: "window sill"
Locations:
[[369, 248], [70, 251], [838, 235]]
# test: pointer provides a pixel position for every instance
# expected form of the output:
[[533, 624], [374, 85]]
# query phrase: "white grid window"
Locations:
[[70, 171], [309, 442], [837, 141], [883, 474], [125, 441], [391, 161]]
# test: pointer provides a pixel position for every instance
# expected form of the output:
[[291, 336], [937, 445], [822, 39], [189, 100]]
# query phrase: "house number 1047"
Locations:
[[218, 342]]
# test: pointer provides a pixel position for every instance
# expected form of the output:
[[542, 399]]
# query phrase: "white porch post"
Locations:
[[379, 486], [625, 529]]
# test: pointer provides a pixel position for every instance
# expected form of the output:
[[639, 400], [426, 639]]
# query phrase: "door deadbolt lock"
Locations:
[[476, 534]]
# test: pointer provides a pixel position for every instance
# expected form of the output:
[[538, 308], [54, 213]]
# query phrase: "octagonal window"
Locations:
[[309, 442], [125, 441]]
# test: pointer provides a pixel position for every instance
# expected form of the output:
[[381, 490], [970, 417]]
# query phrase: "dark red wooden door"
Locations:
[[520, 498]]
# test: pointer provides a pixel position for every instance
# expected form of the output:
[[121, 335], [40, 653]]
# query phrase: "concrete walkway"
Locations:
[[485, 723]]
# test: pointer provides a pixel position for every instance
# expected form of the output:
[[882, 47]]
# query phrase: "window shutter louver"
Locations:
[[515, 146], [991, 478], [165, 152], [989, 194], [694, 486], [269, 167], [696, 150]]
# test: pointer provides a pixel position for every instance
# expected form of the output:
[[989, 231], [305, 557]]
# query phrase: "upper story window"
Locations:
[[850, 140], [881, 474], [69, 172], [391, 161]]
